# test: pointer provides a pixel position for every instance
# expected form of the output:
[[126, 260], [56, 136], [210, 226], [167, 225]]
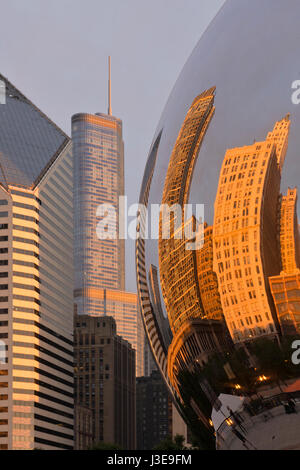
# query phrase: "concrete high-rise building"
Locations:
[[245, 233], [122, 306], [99, 289], [36, 279], [105, 379], [152, 411]]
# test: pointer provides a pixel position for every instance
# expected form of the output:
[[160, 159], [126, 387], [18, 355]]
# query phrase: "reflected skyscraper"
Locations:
[[36, 279], [177, 264], [285, 288], [289, 232], [195, 338], [246, 248], [207, 279]]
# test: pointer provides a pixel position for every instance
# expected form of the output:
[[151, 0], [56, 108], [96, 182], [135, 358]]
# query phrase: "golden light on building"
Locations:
[[177, 266], [38, 301], [246, 248], [280, 136], [208, 283], [289, 233], [36, 279]]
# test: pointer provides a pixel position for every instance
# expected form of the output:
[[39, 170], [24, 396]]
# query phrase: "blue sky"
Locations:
[[56, 53]]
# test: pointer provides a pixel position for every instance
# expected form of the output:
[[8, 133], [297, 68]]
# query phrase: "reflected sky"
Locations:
[[250, 53]]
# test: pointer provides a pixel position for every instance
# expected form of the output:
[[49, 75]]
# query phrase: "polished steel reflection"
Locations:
[[254, 69]]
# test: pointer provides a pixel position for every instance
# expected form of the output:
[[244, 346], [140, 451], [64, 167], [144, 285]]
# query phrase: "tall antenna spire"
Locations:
[[109, 86]]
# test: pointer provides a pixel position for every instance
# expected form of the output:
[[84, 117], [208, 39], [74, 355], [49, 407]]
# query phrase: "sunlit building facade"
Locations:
[[280, 137], [207, 278], [246, 248], [157, 306], [36, 272], [179, 269], [289, 232], [195, 336], [177, 264]]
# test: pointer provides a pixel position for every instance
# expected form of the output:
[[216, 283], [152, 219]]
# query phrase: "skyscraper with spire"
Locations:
[[99, 179], [100, 263]]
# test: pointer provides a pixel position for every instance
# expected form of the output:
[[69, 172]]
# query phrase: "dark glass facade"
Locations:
[[29, 140]]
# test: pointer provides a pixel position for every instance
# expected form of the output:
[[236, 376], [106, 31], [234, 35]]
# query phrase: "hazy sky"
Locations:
[[55, 52]]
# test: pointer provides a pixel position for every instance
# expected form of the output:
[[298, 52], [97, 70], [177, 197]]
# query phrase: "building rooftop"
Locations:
[[29, 141]]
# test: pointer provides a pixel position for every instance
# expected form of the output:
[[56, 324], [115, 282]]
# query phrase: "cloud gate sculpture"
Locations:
[[219, 286]]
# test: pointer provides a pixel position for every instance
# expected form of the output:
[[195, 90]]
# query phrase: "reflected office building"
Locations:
[[285, 288], [246, 249], [221, 318]]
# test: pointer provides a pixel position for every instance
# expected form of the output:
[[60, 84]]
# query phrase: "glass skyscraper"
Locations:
[[99, 179], [98, 150], [36, 279]]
